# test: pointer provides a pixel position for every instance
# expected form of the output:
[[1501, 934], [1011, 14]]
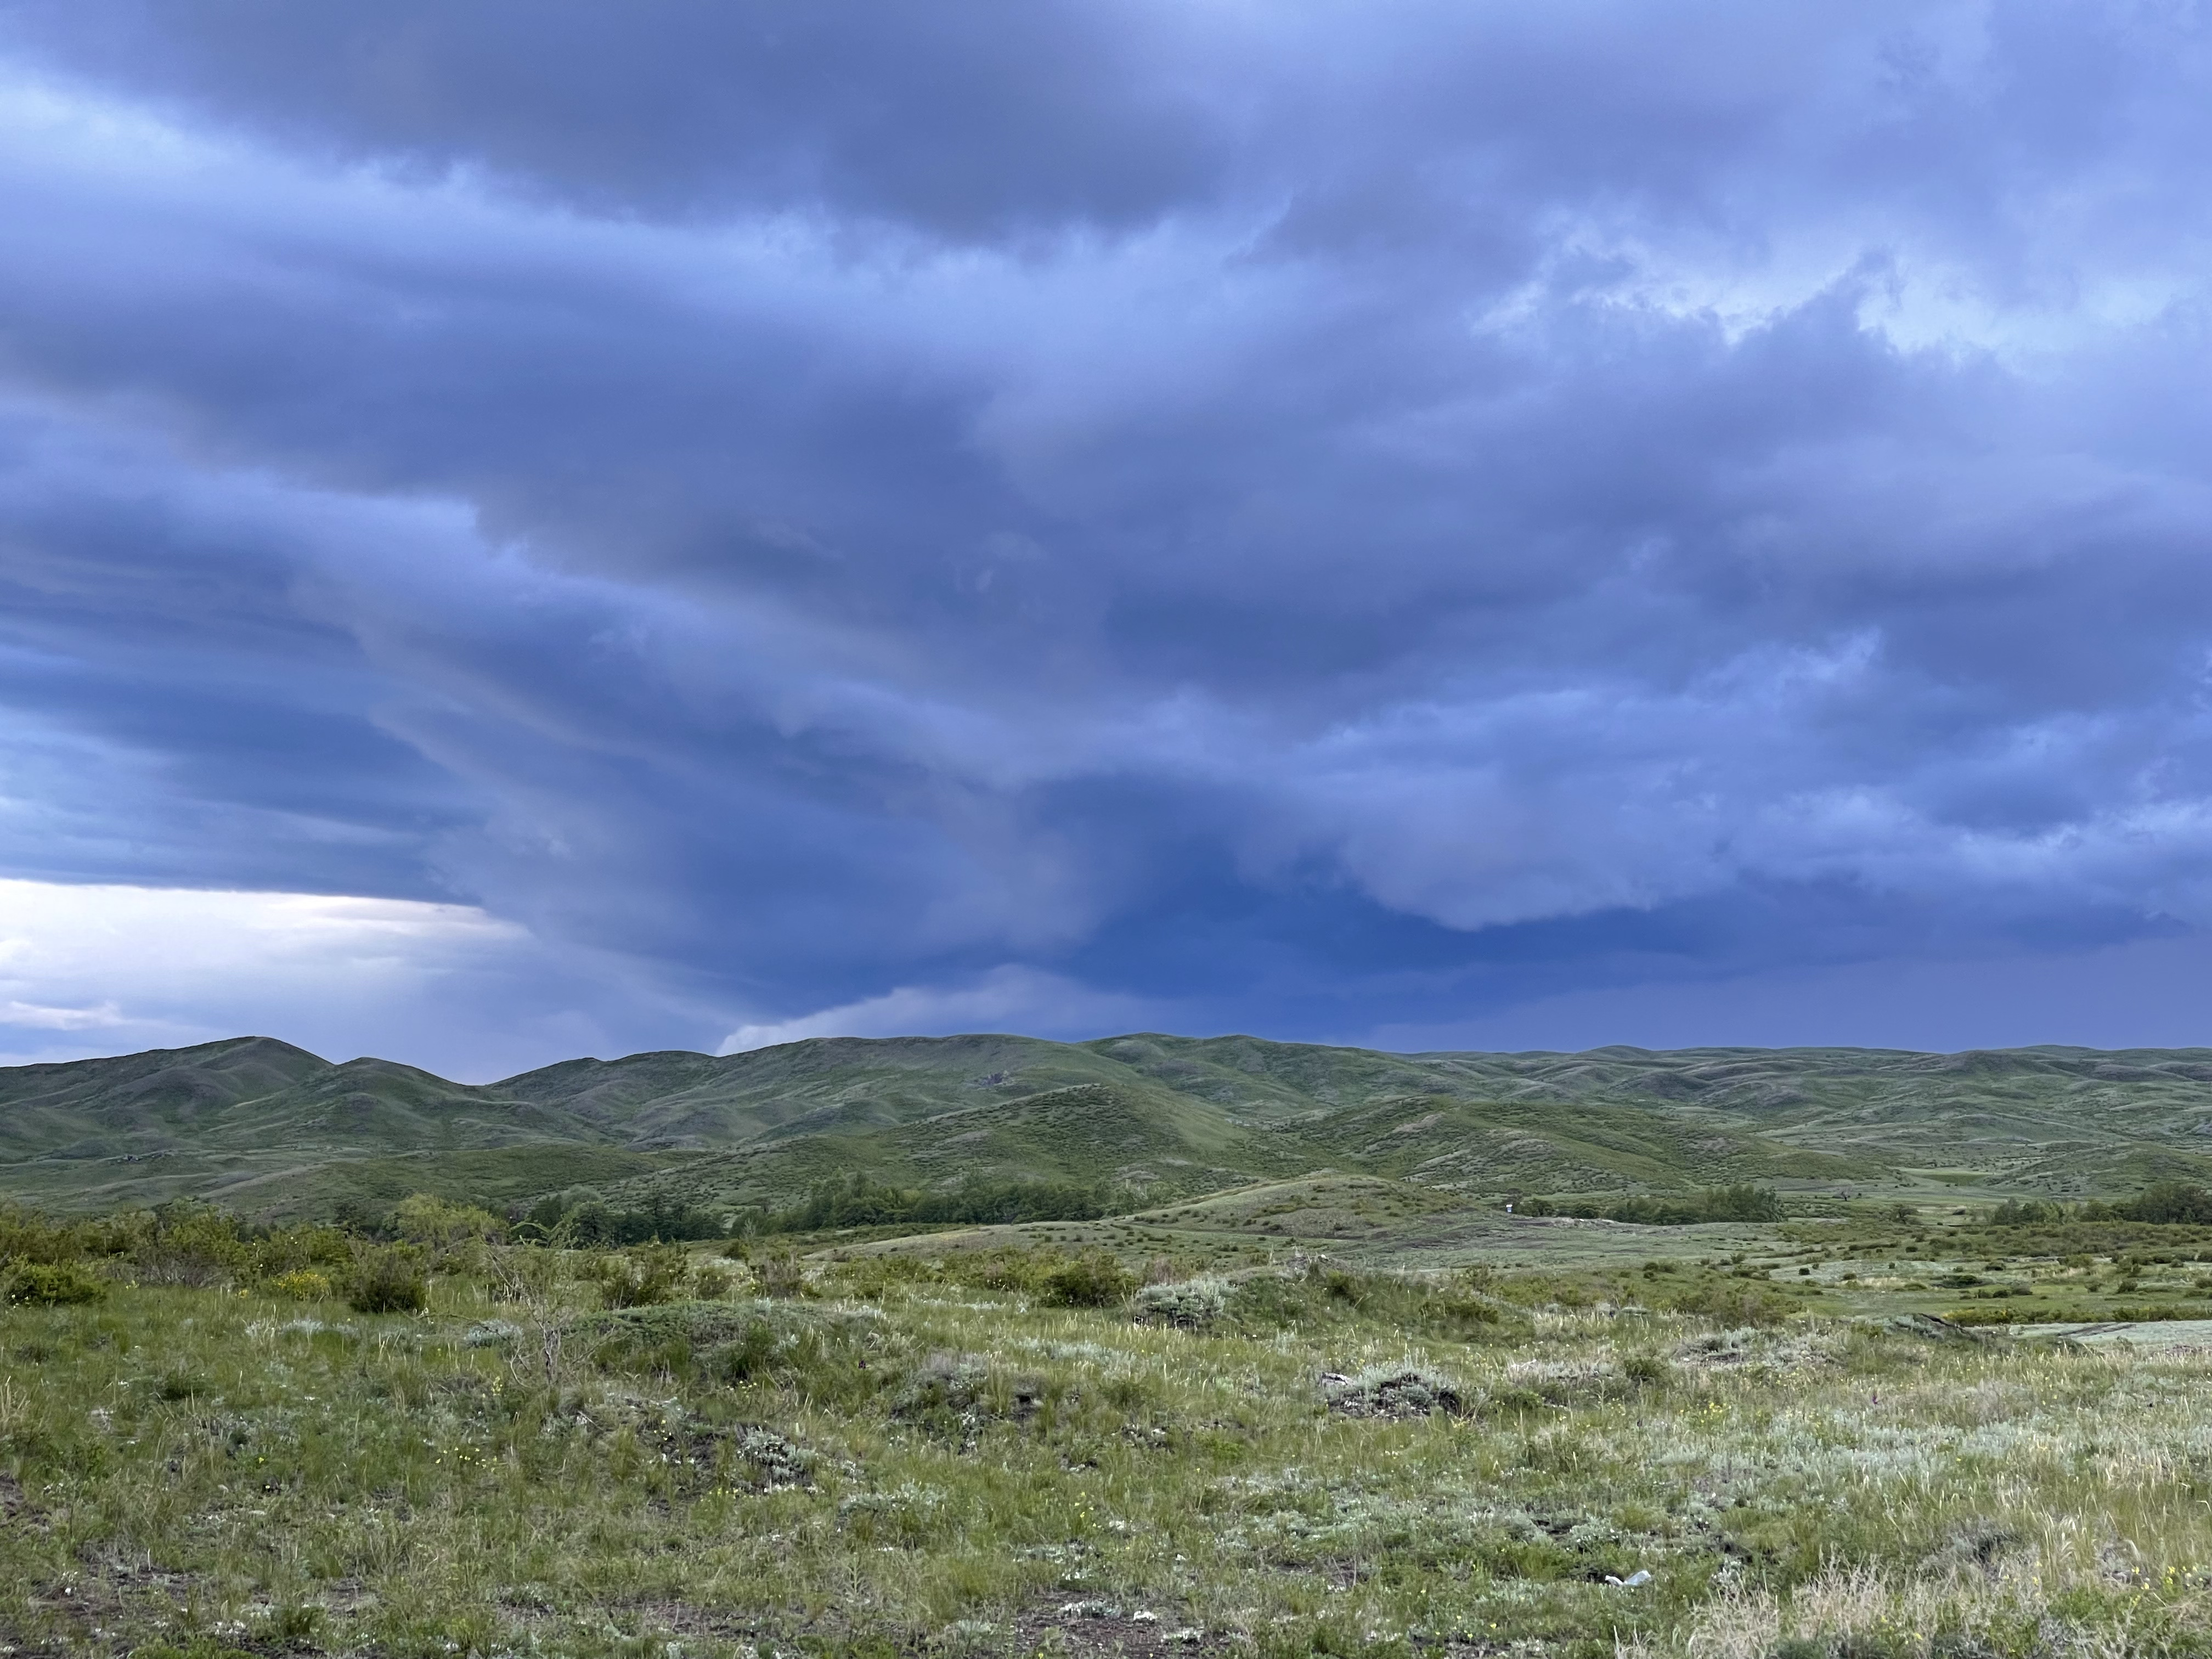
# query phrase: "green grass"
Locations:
[[920, 1454]]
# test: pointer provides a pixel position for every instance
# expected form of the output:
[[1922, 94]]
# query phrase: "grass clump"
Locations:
[[1318, 1295], [823, 1352]]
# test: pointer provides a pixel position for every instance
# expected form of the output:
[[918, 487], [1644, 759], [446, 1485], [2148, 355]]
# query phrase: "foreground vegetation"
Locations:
[[1084, 1439]]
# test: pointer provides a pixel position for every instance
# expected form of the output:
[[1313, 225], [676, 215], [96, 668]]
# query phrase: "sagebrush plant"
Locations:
[[922, 1453], [384, 1278], [643, 1275], [1190, 1304]]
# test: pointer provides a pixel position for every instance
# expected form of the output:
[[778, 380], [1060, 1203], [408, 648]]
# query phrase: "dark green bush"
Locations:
[[2169, 1203], [1737, 1203], [859, 1201], [26, 1236], [192, 1244], [52, 1284], [301, 1248], [388, 1278], [581, 1219], [1093, 1279], [752, 1353]]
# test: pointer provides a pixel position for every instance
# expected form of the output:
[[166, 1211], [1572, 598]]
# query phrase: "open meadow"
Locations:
[[1377, 1429]]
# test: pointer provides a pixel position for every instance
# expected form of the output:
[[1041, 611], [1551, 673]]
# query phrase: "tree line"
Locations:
[[2163, 1203], [1738, 1203], [857, 1201]]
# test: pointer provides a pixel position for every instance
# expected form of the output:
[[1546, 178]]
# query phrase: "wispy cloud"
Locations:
[[1007, 998]]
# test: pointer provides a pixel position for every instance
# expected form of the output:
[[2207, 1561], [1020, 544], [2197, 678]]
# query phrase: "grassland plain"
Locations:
[[1318, 1429]]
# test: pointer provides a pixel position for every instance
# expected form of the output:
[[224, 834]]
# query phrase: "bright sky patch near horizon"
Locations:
[[530, 530]]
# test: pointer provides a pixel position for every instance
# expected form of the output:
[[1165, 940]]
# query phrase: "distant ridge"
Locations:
[[271, 1129]]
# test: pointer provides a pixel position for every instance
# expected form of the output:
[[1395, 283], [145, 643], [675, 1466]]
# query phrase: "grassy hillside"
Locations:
[[275, 1130], [677, 1099]]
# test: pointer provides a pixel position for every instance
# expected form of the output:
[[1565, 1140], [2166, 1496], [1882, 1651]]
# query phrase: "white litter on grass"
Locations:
[[1634, 1581]]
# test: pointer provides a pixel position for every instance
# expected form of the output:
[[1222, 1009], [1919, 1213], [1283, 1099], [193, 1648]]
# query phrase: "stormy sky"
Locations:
[[531, 527]]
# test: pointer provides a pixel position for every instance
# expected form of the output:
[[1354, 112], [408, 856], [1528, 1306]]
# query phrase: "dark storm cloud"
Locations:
[[971, 120], [1298, 518]]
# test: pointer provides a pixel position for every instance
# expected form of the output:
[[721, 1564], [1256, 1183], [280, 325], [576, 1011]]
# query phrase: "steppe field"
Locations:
[[1920, 1409]]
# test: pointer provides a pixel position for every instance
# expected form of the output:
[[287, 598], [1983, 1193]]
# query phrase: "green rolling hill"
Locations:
[[271, 1129]]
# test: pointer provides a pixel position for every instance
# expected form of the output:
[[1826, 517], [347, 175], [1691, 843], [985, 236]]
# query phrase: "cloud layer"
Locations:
[[101, 969], [1317, 519]]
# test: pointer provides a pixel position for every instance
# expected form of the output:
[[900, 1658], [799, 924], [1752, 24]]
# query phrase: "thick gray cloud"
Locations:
[[1320, 519]]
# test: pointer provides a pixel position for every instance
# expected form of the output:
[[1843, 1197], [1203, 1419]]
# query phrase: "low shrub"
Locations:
[[954, 1396], [388, 1278], [456, 1235], [192, 1244], [642, 1277], [301, 1285], [1189, 1305], [1570, 1382], [52, 1284], [873, 1277], [1093, 1279], [1731, 1302], [709, 1283], [1399, 1392], [1320, 1294], [326, 1250], [818, 1352], [517, 1272], [27, 1236], [943, 1395], [780, 1273]]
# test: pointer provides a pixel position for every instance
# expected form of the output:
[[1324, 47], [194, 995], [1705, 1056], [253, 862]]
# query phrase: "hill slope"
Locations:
[[274, 1129]]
